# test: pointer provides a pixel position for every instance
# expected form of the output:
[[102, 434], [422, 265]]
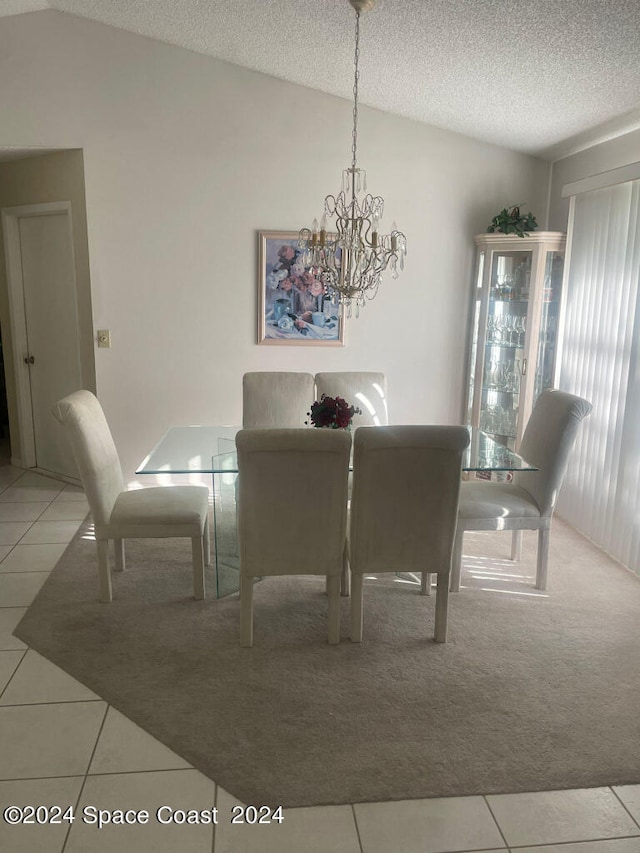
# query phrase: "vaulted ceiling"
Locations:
[[545, 77]]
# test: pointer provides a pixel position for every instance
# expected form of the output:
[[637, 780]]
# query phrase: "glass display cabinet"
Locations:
[[514, 329]]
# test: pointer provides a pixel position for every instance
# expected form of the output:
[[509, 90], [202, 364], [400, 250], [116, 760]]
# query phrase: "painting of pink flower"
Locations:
[[286, 253], [316, 287], [291, 292]]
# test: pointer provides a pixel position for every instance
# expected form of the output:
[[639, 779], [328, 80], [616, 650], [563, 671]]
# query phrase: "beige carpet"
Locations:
[[533, 691]]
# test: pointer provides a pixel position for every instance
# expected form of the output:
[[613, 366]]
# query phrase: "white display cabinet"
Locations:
[[514, 329]]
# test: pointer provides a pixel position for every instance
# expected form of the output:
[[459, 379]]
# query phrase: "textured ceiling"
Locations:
[[545, 77]]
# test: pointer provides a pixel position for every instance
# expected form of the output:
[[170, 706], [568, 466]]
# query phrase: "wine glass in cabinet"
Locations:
[[515, 321]]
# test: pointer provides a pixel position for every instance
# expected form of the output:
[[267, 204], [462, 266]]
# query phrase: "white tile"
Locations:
[[618, 845], [630, 796], [5, 550], [39, 680], [19, 590], [37, 792], [28, 494], [123, 746], [551, 817], [65, 510], [22, 511], [9, 662], [33, 480], [178, 789], [71, 493], [12, 531], [312, 830], [427, 826], [48, 740], [9, 475], [50, 532], [9, 618], [32, 558]]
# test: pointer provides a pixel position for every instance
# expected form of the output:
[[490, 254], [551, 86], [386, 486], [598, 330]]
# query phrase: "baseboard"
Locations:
[[73, 481]]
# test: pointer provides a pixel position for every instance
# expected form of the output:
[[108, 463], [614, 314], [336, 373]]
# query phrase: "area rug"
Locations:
[[533, 691]]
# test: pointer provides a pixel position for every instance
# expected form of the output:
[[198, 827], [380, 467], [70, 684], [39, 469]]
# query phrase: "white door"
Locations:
[[46, 340]]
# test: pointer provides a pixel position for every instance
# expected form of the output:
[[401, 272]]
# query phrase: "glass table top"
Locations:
[[212, 450]]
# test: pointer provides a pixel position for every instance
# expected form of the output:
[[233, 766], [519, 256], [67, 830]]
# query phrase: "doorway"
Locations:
[[44, 320]]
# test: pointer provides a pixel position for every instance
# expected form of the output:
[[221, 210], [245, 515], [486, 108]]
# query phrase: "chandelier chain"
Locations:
[[356, 58]]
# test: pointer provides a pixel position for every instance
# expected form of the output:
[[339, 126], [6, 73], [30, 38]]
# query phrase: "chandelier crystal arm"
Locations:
[[350, 259]]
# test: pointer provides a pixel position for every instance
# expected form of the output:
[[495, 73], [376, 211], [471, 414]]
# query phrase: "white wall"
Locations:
[[186, 158]]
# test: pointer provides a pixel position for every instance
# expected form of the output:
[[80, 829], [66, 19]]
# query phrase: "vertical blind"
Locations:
[[601, 361]]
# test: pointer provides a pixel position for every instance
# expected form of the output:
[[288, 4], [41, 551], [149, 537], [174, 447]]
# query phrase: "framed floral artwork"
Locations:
[[294, 306]]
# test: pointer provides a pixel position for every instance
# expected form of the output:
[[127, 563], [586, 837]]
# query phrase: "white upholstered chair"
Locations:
[[276, 399], [528, 502], [367, 391], [153, 513], [292, 511], [404, 505]]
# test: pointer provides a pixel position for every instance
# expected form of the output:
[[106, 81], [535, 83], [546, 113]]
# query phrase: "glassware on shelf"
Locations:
[[504, 287], [501, 375], [497, 420], [510, 326], [491, 328], [513, 377], [522, 280], [548, 333]]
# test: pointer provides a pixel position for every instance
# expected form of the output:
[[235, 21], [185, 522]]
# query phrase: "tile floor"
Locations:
[[61, 745]]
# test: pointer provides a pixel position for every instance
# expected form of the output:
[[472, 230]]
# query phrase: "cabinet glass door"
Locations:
[[504, 344], [545, 362]]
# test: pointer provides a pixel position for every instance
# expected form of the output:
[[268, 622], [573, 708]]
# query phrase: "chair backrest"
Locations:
[[404, 503], [276, 399], [367, 391], [94, 451], [547, 442], [292, 500]]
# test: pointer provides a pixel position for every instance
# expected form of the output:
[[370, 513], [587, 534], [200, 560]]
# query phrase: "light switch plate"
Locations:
[[104, 338]]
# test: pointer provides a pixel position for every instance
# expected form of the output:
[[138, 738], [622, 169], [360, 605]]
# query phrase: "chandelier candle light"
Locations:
[[350, 262]]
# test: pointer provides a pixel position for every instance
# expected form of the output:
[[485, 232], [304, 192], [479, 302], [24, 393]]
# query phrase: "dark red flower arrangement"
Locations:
[[332, 412]]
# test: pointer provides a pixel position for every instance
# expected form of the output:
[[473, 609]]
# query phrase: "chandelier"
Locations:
[[351, 259]]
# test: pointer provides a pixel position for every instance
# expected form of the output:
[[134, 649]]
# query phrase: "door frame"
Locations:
[[10, 227]]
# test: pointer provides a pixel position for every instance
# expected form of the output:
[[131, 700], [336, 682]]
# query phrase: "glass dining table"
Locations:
[[211, 450]]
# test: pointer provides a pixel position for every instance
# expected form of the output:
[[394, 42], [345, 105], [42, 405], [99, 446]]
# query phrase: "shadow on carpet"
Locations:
[[533, 691]]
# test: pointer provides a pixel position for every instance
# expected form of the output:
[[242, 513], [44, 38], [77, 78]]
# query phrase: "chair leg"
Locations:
[[246, 611], [425, 583], [197, 552], [516, 545], [333, 591], [543, 557], [118, 547], [345, 580], [104, 573], [456, 563], [442, 609], [206, 542], [356, 607]]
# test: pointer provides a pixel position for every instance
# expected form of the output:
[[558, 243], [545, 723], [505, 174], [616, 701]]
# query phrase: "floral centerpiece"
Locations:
[[332, 413]]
